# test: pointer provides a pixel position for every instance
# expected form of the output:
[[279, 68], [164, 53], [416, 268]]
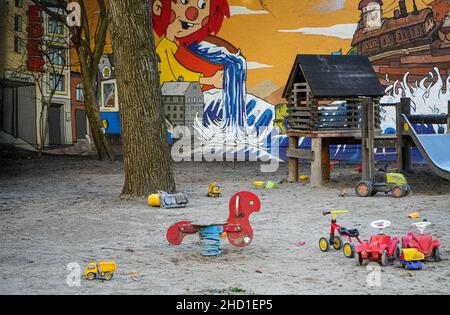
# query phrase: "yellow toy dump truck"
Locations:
[[214, 190], [100, 270]]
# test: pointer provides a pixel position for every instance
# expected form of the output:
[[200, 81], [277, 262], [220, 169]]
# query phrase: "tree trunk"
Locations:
[[43, 128], [147, 161]]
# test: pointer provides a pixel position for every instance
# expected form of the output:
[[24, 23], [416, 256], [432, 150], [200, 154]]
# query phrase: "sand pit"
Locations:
[[59, 210]]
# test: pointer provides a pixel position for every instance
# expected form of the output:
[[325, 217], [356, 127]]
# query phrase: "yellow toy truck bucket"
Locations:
[[154, 201], [413, 254]]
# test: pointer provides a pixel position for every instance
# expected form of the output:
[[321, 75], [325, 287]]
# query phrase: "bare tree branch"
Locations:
[[89, 50]]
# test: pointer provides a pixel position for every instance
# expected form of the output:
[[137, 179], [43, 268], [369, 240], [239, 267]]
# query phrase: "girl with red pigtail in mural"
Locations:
[[183, 22], [188, 51]]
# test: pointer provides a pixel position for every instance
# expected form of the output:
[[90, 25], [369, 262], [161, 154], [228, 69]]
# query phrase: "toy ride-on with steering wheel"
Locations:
[[380, 248], [384, 182], [337, 233], [423, 243]]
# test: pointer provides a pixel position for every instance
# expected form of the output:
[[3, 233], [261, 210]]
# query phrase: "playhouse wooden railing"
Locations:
[[308, 114]]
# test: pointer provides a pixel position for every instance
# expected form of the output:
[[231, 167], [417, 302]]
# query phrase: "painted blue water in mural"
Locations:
[[235, 107], [256, 117], [234, 88]]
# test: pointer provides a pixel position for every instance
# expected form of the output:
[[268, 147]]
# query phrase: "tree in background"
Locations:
[[89, 45], [147, 159], [50, 79]]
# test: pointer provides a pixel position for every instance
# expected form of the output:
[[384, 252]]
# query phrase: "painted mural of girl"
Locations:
[[188, 51], [183, 22]]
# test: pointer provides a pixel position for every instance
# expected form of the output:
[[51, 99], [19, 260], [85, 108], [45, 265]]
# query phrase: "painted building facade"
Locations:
[[17, 89], [183, 103], [80, 124], [27, 78], [57, 79]]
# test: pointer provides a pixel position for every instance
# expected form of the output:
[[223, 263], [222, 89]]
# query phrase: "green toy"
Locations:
[[384, 182]]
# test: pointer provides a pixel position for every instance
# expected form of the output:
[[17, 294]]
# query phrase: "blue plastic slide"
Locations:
[[434, 148]]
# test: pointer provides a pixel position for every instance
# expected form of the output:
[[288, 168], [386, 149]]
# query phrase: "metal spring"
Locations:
[[210, 240]]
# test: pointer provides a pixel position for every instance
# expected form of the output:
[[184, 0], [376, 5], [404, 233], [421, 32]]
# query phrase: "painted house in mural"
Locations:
[[183, 103], [109, 103], [25, 29], [80, 122], [408, 42]]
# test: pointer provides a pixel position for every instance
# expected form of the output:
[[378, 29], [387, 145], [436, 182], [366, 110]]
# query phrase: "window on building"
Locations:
[[18, 23], [57, 82], [18, 44], [79, 93], [57, 56], [19, 3], [109, 95], [55, 27]]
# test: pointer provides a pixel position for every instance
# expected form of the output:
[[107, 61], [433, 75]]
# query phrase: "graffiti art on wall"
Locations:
[[410, 50], [241, 53], [189, 51]]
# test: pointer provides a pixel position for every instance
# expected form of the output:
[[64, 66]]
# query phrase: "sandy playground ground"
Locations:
[[59, 210]]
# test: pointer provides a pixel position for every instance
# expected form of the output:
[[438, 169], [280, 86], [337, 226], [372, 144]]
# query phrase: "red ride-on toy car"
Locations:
[[380, 248], [337, 233], [424, 242]]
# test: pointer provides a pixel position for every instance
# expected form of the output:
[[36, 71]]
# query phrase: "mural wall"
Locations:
[[241, 53]]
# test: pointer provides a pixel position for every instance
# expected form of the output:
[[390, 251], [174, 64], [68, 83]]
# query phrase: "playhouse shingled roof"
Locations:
[[334, 76]]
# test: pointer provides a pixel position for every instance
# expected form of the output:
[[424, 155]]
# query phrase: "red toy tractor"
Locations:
[[237, 228], [424, 242], [381, 248], [337, 233]]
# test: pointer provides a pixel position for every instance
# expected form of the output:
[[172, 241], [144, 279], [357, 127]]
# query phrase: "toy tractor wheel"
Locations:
[[324, 245], [385, 259], [108, 276], [337, 243], [349, 250], [399, 191], [91, 276], [407, 191], [364, 189], [436, 255], [359, 259]]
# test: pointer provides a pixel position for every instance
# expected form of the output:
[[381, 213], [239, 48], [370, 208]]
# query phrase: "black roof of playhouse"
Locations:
[[335, 76]]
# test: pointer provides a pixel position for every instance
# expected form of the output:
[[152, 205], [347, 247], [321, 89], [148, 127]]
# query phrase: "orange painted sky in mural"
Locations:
[[260, 39]]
